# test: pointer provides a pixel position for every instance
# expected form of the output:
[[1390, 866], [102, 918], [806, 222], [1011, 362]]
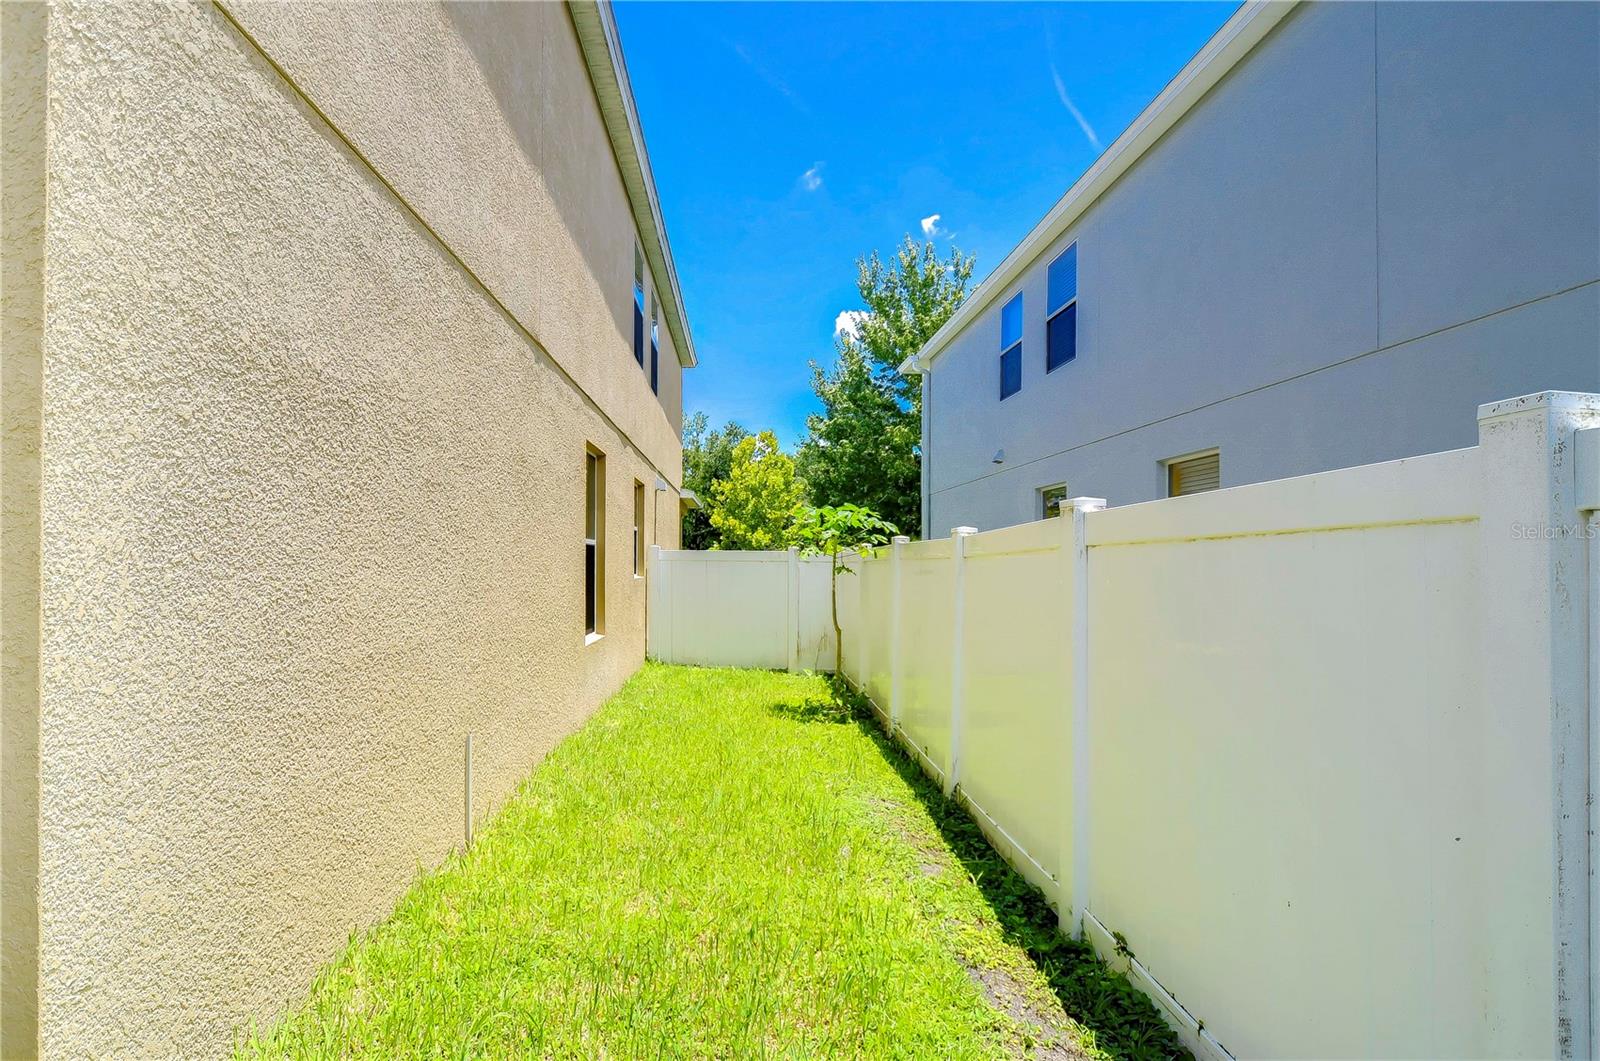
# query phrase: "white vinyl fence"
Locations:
[[1319, 749], [740, 609]]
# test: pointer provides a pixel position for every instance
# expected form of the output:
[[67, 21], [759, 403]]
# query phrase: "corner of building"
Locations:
[[23, 72]]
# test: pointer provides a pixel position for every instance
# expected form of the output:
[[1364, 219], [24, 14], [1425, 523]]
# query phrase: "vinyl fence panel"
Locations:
[[1287, 719], [1016, 703], [731, 608], [1312, 759], [927, 615]]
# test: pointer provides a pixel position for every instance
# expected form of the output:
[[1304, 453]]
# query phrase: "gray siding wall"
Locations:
[[1386, 215]]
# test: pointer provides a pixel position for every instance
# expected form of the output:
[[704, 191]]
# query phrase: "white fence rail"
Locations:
[[1319, 749]]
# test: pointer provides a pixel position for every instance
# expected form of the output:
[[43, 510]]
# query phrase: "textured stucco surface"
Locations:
[[23, 66], [484, 119], [311, 513]]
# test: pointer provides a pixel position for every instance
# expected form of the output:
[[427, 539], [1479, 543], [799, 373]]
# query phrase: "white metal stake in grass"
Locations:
[[958, 553], [1077, 566], [654, 602], [794, 609], [896, 678], [467, 791]]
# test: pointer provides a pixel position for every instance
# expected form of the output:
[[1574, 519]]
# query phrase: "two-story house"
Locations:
[[341, 380], [1337, 231]]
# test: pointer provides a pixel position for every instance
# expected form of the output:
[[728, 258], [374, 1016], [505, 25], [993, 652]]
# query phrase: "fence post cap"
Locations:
[[1555, 401], [958, 531], [901, 539], [1087, 504]]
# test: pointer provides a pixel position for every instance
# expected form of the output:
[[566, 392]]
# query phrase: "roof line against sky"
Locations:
[[602, 54], [1226, 48]]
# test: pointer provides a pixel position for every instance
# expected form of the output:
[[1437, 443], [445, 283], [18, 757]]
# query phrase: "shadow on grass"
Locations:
[[827, 709], [1125, 1022]]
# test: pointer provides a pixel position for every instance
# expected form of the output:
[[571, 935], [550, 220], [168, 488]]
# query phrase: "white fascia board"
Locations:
[[602, 54]]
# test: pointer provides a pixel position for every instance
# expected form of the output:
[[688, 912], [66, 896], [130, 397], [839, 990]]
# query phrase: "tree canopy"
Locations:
[[864, 447], [754, 507], [707, 460]]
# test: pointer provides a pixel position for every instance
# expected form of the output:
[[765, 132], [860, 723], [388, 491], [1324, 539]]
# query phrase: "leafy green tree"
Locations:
[[753, 508], [707, 460], [864, 447], [832, 531]]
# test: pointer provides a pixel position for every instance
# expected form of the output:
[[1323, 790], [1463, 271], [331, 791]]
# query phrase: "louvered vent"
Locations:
[[1195, 475]]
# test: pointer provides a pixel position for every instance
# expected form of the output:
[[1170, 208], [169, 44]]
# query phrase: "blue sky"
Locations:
[[789, 139]]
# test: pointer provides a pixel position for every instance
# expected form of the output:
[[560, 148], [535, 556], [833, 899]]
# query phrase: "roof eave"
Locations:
[[602, 54], [1226, 48]]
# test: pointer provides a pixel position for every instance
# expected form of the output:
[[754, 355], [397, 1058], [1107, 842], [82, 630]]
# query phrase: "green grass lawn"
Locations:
[[721, 863]]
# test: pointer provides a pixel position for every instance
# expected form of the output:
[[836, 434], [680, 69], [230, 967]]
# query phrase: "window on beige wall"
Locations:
[[594, 532], [638, 528], [655, 345], [638, 305]]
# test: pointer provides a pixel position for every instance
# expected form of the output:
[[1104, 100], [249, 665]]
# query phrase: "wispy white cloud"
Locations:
[[1072, 108], [776, 83], [848, 323], [930, 226], [811, 179]]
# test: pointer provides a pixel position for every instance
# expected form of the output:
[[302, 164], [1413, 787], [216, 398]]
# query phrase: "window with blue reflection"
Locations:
[[1061, 326], [1011, 347], [638, 306], [1011, 323], [655, 347], [1010, 372]]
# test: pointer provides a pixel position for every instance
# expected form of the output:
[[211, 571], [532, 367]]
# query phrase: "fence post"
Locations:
[[1586, 466], [895, 655], [794, 609], [1536, 588], [656, 619], [958, 670], [1075, 839]]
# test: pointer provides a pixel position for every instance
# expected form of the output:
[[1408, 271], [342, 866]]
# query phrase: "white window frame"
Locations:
[[1052, 314], [1022, 328], [594, 537], [639, 542]]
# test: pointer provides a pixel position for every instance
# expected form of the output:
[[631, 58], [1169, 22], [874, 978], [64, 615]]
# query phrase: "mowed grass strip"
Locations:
[[720, 863]]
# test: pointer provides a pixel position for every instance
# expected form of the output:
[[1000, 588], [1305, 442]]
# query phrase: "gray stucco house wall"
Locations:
[[1377, 217]]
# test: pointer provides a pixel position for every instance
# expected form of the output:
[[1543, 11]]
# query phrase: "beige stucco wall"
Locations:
[[484, 119], [315, 410], [22, 227]]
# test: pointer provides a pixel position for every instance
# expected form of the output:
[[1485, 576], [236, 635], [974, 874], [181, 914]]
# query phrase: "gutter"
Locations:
[[608, 73], [1227, 47]]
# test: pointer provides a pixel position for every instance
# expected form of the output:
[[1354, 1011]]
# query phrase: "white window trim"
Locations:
[[596, 507]]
